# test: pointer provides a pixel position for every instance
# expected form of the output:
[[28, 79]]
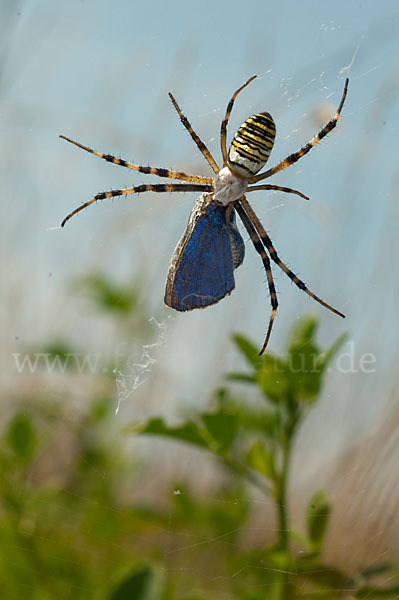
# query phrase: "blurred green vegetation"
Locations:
[[70, 529]]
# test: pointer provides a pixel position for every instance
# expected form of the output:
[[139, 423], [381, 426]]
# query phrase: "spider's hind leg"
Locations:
[[273, 255], [255, 239]]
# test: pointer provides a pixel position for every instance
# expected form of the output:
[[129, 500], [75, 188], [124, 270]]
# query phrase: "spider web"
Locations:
[[136, 372]]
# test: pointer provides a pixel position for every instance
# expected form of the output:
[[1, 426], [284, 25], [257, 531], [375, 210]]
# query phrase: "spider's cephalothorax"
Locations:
[[201, 271], [252, 144]]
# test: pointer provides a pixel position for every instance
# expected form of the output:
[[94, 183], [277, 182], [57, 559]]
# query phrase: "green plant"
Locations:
[[256, 445], [70, 525]]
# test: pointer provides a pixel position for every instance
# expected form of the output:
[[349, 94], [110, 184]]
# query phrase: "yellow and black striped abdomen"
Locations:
[[252, 144]]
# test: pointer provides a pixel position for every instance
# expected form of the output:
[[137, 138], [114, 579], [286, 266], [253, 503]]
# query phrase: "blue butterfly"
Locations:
[[202, 265]]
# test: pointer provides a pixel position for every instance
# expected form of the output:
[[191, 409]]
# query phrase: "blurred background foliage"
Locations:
[[144, 455], [72, 526]]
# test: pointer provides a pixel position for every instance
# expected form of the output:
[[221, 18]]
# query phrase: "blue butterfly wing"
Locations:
[[201, 268]]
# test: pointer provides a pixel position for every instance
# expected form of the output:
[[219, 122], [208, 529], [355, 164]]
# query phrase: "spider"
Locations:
[[202, 265]]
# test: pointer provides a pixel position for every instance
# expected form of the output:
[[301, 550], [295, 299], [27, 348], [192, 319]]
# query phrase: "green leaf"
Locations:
[[59, 347], [268, 423], [144, 583], [107, 295], [243, 377], [325, 577], [375, 571], [302, 332], [326, 357], [273, 378], [299, 538], [279, 558], [193, 598], [261, 460], [374, 591], [21, 436], [222, 426], [305, 371], [188, 432], [248, 350], [317, 514]]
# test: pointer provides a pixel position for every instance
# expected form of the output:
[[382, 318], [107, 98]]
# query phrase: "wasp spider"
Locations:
[[202, 265]]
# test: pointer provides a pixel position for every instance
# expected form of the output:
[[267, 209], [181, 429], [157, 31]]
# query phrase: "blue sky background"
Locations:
[[100, 73]]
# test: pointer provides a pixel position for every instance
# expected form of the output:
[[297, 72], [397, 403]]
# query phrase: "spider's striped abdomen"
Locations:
[[252, 144]]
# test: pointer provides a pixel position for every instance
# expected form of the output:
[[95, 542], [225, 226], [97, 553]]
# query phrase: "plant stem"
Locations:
[[281, 496], [281, 501]]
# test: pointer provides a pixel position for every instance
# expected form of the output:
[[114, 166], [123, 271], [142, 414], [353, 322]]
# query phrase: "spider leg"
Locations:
[[277, 188], [273, 255], [161, 187], [255, 239], [292, 158], [149, 170], [200, 144], [223, 127]]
